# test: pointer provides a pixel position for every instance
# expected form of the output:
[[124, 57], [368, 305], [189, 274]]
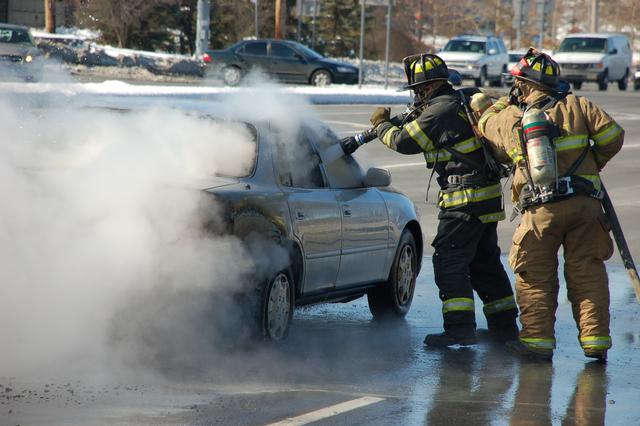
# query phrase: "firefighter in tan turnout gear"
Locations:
[[467, 256], [559, 143]]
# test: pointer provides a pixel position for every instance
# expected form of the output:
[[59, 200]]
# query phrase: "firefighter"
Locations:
[[467, 256], [558, 143]]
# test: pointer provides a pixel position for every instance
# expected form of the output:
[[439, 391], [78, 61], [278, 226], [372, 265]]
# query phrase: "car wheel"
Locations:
[[603, 83], [636, 85], [277, 306], [499, 82], [622, 83], [577, 85], [393, 298], [321, 78], [231, 76], [482, 81]]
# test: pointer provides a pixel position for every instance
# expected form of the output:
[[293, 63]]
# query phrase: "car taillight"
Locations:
[[206, 58]]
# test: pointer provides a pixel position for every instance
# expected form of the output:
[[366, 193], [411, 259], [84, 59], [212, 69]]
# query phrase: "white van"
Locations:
[[597, 57]]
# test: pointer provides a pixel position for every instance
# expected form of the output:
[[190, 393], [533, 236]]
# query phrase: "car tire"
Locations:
[[603, 83], [482, 80], [276, 307], [231, 75], [393, 298], [577, 85], [321, 78], [636, 85], [499, 82], [623, 82]]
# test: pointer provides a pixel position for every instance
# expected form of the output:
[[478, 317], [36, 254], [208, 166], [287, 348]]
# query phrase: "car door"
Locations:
[[254, 55], [365, 220], [315, 214], [287, 64]]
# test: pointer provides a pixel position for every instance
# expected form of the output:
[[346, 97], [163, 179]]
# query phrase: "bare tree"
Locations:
[[120, 18]]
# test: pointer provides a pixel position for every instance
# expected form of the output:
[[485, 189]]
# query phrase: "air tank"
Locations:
[[540, 151]]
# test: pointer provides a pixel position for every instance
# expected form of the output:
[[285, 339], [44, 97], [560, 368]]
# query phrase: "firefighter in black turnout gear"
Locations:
[[467, 256]]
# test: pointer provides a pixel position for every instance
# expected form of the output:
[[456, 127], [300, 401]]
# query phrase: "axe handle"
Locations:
[[621, 242]]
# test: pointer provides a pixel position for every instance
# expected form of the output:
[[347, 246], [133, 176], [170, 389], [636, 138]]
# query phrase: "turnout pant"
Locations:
[[467, 258], [580, 227]]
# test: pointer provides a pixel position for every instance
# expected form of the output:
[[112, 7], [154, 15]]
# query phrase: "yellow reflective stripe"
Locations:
[[607, 135], [457, 304], [566, 143], [595, 342], [440, 154], [500, 305], [595, 180], [492, 217], [515, 155], [387, 139], [419, 136], [470, 195], [468, 145], [548, 344]]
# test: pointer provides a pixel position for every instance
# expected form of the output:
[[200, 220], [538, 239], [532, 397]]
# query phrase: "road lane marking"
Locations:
[[345, 123], [327, 412], [399, 165]]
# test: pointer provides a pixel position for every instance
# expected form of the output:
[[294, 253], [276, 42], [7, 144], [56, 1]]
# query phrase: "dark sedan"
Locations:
[[19, 56], [287, 61]]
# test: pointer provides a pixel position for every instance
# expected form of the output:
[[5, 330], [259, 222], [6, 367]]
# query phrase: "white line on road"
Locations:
[[327, 412], [345, 123], [397, 166]]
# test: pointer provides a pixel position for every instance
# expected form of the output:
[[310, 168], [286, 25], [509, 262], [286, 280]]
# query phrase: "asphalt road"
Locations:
[[338, 367]]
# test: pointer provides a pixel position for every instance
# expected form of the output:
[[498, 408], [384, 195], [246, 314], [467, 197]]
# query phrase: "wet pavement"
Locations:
[[336, 354]]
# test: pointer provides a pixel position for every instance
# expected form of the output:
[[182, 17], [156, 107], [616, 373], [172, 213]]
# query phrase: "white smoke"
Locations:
[[101, 234]]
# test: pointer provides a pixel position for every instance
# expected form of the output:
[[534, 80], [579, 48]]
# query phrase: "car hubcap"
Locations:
[[278, 307], [321, 79], [232, 76], [405, 274]]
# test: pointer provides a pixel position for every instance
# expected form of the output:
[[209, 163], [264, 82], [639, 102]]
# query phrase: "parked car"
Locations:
[[19, 56], [287, 61], [514, 58], [481, 58], [347, 233], [636, 78], [595, 57]]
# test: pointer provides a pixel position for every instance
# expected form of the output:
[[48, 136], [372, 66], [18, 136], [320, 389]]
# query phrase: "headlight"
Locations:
[[28, 58], [472, 65], [597, 66], [346, 70]]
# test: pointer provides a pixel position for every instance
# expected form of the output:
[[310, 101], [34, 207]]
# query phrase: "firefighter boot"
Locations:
[[599, 354], [451, 337], [503, 327], [524, 351]]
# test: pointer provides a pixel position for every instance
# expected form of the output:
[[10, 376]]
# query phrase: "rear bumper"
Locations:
[[578, 76], [345, 78]]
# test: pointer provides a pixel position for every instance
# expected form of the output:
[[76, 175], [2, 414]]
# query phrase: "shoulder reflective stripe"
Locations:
[[468, 145], [607, 135], [492, 217], [387, 139], [566, 143], [500, 305], [457, 304], [419, 136], [595, 179], [595, 342], [515, 155], [535, 343], [470, 195]]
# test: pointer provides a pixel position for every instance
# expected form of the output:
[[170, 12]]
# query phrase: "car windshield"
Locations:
[[586, 45], [515, 57], [465, 46], [309, 53], [15, 36]]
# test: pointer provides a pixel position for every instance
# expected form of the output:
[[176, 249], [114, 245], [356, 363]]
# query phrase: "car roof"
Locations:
[[13, 27], [594, 35], [473, 37]]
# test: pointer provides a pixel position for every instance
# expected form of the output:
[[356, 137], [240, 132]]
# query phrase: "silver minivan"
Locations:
[[596, 57]]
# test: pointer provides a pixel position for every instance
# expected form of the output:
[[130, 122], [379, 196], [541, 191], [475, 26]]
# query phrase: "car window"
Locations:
[[465, 46], [503, 48], [256, 48], [583, 44], [14, 36], [282, 51], [298, 163], [492, 45], [343, 171]]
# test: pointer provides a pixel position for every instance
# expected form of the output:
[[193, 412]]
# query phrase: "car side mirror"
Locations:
[[613, 51], [376, 177], [492, 51]]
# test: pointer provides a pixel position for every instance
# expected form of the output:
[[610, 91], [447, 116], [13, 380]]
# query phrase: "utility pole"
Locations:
[[542, 8], [255, 2], [387, 46], [362, 11], [594, 16], [50, 16], [299, 7], [517, 20], [280, 13], [202, 29], [314, 24]]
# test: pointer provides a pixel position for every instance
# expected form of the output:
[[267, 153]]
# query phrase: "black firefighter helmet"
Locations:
[[424, 68], [538, 68]]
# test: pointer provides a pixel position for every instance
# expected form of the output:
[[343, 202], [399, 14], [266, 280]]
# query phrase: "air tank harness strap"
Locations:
[[470, 180], [568, 186]]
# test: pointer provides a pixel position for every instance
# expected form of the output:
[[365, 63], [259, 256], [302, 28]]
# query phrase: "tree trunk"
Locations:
[[50, 16]]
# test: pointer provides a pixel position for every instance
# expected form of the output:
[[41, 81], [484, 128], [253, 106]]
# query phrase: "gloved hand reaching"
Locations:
[[349, 145], [380, 115]]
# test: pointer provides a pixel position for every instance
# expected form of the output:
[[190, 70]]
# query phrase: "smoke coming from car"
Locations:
[[103, 256]]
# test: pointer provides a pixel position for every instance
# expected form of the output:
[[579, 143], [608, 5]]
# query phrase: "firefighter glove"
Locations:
[[349, 145], [380, 115]]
